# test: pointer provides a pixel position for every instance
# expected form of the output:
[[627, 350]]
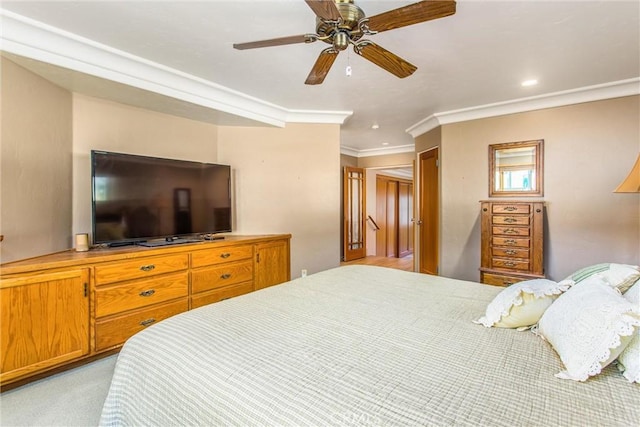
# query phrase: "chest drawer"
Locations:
[[117, 330], [510, 208], [221, 255], [141, 293], [220, 276], [510, 252], [514, 263], [140, 268], [510, 241], [499, 279], [510, 231], [510, 220]]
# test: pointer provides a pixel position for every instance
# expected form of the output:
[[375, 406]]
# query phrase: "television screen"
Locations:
[[138, 198]]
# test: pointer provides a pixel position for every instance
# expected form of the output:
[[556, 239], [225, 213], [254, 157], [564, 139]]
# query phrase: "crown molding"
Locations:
[[617, 89], [36, 40], [354, 152], [317, 116]]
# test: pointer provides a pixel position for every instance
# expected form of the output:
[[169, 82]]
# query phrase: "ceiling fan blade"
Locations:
[[412, 14], [302, 38], [384, 59], [322, 66], [325, 9]]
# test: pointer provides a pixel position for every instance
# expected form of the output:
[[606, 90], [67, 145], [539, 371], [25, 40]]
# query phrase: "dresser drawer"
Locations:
[[511, 208], [141, 293], [209, 278], [117, 330], [139, 268], [513, 263], [499, 279], [510, 241], [221, 255], [510, 220], [510, 252], [216, 295], [510, 231]]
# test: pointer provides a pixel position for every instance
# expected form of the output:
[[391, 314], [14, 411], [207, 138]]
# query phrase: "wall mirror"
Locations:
[[516, 169]]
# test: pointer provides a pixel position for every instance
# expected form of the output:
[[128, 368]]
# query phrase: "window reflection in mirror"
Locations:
[[515, 169]]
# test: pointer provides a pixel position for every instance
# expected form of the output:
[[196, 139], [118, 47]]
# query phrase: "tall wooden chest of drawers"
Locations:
[[512, 242]]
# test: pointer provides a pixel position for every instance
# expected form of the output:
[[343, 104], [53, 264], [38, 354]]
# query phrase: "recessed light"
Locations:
[[375, 126], [530, 82], [385, 143]]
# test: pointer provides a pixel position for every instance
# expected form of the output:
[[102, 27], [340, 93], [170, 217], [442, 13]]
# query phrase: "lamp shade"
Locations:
[[631, 184]]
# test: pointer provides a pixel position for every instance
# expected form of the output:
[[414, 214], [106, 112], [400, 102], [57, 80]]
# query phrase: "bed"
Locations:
[[355, 345]]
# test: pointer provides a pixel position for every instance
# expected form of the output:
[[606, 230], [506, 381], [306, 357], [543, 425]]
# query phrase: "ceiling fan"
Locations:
[[341, 23]]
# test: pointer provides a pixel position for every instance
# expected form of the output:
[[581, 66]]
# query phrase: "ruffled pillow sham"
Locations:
[[522, 304], [589, 326], [621, 276], [629, 359]]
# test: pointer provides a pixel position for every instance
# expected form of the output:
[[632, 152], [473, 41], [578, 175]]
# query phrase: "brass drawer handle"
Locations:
[[510, 208], [510, 252], [510, 242], [510, 220], [510, 231], [510, 264], [225, 255], [147, 293], [508, 282], [225, 276], [147, 267], [148, 322]]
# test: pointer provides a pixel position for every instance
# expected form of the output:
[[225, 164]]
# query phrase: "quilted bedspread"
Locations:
[[354, 345]]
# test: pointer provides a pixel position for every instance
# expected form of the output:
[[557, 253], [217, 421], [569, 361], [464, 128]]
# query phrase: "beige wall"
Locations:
[[285, 180], [35, 211], [288, 181], [110, 126], [429, 140], [589, 148]]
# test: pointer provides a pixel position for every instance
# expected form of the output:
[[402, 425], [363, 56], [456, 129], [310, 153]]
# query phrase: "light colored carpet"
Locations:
[[71, 398]]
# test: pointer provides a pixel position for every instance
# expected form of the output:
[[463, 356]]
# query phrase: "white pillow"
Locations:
[[629, 359], [621, 276], [589, 326], [522, 303]]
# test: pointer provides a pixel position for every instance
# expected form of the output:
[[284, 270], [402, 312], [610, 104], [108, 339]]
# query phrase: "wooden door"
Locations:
[[354, 240], [391, 228], [381, 216], [429, 219], [44, 321], [405, 216], [394, 213]]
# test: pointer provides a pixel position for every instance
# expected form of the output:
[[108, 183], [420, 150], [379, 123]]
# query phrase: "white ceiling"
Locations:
[[478, 56]]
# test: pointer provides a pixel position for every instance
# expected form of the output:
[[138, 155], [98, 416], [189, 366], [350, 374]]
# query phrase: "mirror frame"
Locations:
[[538, 167]]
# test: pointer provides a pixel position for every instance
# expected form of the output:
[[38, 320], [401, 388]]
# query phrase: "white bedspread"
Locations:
[[354, 345]]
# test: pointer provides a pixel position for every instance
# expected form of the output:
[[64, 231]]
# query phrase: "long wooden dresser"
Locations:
[[62, 309], [512, 241]]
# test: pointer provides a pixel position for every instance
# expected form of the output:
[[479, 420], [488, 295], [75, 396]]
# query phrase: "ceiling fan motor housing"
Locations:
[[341, 32]]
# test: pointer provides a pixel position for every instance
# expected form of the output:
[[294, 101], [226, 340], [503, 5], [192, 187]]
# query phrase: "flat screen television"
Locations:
[[137, 198]]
